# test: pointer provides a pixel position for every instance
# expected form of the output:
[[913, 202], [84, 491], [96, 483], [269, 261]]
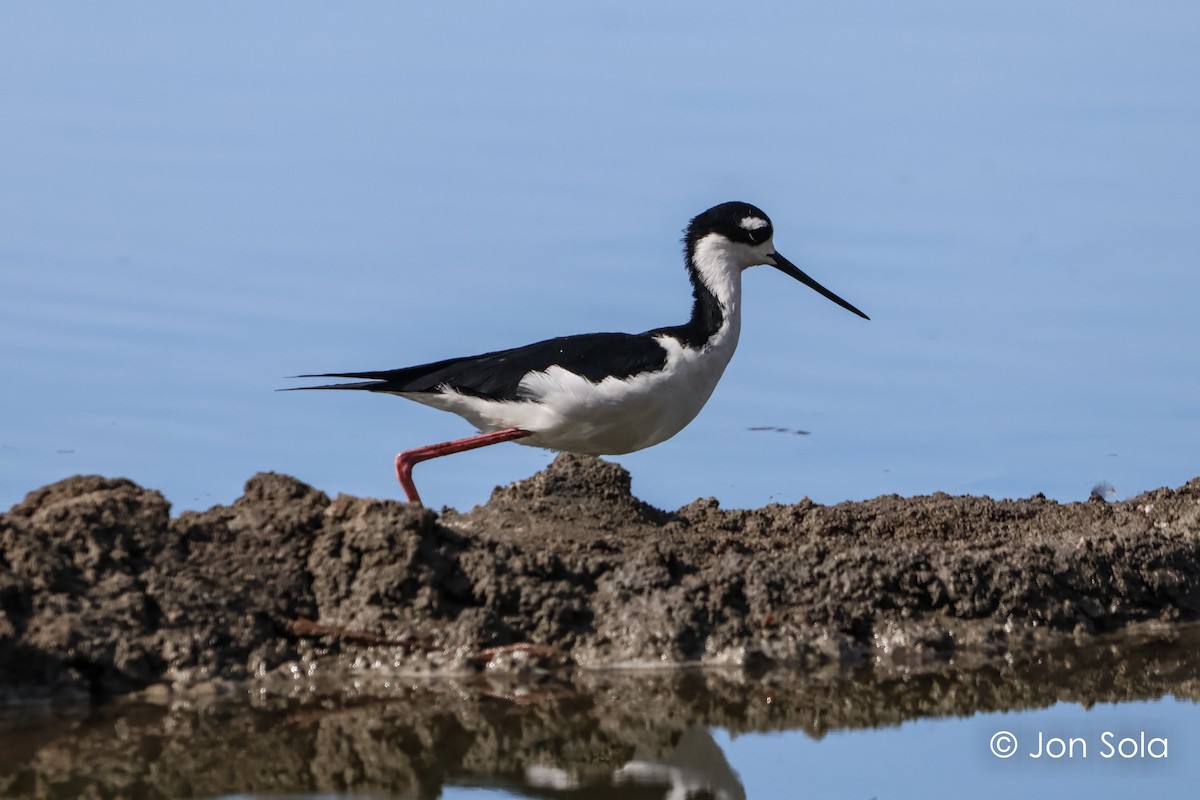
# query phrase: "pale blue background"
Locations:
[[199, 200]]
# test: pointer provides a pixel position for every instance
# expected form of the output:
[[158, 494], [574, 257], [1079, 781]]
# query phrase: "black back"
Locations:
[[497, 375]]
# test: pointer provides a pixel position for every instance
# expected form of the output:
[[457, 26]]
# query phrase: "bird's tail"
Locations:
[[421, 378]]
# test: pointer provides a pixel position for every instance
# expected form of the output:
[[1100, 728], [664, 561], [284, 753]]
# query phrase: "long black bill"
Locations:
[[788, 268]]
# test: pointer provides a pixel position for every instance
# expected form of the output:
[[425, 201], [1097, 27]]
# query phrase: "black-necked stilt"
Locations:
[[601, 393]]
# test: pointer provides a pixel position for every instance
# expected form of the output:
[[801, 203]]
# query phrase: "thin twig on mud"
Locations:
[[527, 649]]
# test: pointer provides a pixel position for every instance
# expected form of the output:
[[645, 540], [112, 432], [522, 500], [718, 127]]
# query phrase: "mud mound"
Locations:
[[101, 592]]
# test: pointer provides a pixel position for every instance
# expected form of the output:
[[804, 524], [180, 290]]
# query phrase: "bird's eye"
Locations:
[[757, 229]]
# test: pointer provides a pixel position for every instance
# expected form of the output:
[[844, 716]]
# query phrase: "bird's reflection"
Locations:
[[697, 767], [693, 769]]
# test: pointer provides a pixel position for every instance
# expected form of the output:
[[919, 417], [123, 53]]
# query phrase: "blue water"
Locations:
[[1138, 749], [938, 757], [198, 201], [942, 757]]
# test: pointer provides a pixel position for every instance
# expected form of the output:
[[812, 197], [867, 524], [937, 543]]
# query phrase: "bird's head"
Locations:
[[734, 236]]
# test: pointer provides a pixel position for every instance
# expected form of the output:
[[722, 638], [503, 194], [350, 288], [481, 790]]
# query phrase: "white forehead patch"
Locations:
[[753, 223]]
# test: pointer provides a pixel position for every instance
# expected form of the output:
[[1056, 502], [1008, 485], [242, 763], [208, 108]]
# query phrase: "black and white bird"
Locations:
[[601, 393]]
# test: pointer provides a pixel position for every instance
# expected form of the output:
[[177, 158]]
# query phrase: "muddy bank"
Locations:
[[103, 593], [574, 734]]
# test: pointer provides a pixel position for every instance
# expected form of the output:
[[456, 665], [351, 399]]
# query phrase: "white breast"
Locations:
[[620, 416]]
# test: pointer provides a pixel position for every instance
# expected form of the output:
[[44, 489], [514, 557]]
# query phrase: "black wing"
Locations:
[[594, 356]]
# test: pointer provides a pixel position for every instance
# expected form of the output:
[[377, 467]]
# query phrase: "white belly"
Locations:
[[569, 413]]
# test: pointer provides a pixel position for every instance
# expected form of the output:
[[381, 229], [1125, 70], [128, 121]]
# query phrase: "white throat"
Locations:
[[719, 264]]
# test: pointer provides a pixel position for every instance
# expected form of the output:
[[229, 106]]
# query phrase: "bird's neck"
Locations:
[[716, 292]]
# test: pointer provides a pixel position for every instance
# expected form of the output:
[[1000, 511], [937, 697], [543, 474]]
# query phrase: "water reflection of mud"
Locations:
[[590, 735]]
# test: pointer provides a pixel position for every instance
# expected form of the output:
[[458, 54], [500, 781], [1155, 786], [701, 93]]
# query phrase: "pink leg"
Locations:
[[410, 458]]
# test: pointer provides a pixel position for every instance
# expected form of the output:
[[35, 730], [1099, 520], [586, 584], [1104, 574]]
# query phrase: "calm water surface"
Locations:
[[916, 760], [1114, 718]]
